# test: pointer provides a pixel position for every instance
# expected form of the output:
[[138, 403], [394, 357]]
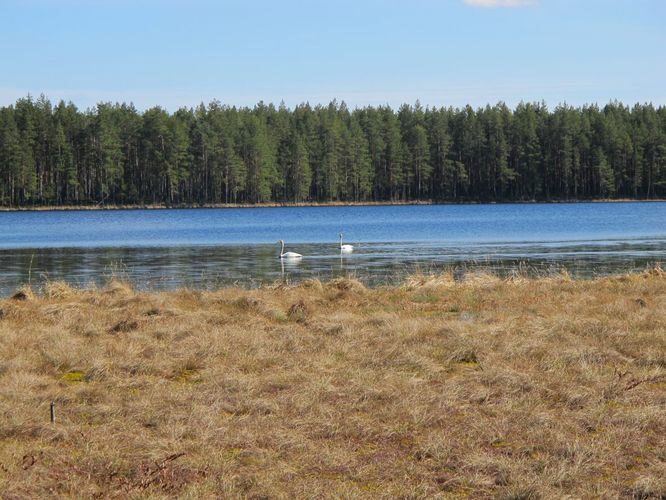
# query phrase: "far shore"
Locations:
[[164, 206]]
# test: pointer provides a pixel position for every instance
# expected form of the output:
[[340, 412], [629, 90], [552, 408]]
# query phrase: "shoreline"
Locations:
[[445, 278], [42, 287], [187, 206]]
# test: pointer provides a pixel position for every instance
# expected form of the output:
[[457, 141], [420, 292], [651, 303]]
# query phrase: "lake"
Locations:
[[208, 248]]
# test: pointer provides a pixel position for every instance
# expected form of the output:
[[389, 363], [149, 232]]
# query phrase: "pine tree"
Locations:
[[259, 159], [10, 156], [359, 168]]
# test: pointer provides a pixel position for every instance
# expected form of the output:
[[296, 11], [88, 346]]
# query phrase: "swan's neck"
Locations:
[[281, 248], [340, 241]]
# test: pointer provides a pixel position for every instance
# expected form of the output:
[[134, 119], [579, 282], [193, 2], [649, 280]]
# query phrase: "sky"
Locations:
[[175, 53]]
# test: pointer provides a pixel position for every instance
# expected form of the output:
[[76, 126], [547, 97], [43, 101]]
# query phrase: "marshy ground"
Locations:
[[520, 388]]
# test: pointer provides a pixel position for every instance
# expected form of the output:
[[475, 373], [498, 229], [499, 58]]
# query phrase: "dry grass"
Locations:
[[486, 388]]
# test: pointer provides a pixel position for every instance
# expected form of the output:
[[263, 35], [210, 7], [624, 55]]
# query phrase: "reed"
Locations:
[[480, 387]]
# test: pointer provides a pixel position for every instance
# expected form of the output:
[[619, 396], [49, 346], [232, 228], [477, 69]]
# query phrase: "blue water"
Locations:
[[206, 248], [243, 226]]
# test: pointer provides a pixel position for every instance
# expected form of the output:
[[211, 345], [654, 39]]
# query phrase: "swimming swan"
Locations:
[[288, 255], [345, 248]]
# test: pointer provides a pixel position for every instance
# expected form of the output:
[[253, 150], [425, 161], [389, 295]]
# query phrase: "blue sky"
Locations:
[[366, 52]]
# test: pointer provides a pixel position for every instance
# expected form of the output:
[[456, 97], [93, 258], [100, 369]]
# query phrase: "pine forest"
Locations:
[[113, 154]]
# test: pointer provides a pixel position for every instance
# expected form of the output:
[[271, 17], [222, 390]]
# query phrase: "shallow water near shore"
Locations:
[[209, 248]]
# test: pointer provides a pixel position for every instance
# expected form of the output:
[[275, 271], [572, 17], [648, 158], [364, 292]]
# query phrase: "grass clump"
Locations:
[[74, 376], [23, 293]]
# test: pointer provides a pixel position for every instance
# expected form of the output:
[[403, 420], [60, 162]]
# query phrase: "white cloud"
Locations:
[[499, 3]]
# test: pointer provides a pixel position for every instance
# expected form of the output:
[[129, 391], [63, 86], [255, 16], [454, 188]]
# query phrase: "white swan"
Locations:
[[288, 255], [345, 248]]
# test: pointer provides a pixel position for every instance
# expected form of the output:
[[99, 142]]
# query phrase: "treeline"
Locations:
[[114, 154]]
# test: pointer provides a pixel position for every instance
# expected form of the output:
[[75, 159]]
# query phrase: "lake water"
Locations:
[[208, 248]]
